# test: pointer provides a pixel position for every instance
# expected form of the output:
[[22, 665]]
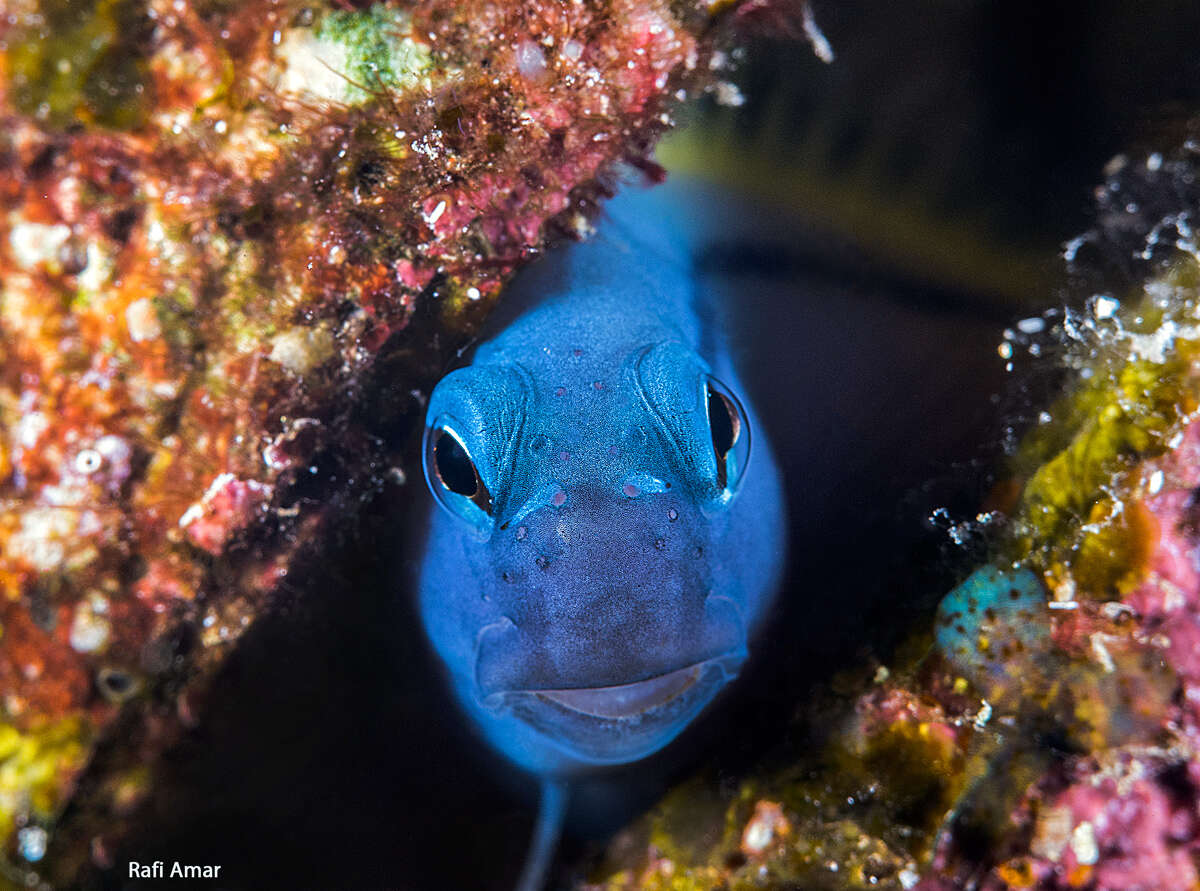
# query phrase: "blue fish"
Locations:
[[610, 528], [611, 524]]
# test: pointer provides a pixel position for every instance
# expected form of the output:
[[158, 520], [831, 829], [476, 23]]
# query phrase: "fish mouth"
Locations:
[[623, 722], [625, 700]]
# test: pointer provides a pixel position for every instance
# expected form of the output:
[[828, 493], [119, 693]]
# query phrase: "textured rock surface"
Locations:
[[236, 241]]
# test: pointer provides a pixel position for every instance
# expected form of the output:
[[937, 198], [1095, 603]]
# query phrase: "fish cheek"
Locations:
[[461, 592]]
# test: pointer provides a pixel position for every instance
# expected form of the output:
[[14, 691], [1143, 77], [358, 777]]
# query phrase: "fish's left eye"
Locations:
[[730, 434], [454, 478]]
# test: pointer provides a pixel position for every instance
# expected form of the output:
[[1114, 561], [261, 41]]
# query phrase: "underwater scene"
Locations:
[[607, 445]]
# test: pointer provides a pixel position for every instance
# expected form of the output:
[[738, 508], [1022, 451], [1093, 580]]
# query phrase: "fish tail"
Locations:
[[552, 812]]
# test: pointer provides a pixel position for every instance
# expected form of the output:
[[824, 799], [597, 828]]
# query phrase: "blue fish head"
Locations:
[[604, 545]]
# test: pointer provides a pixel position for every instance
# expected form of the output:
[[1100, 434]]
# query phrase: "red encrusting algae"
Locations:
[[213, 221]]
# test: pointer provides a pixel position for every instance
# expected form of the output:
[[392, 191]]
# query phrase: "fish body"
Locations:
[[611, 527], [613, 523]]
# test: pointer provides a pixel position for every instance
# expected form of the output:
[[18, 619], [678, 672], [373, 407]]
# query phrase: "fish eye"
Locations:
[[452, 470], [723, 423], [454, 467], [730, 433]]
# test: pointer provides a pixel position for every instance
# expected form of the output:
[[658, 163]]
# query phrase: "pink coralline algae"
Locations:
[[1126, 816], [228, 506]]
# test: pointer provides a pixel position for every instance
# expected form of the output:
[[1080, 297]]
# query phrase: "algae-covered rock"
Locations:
[[217, 220]]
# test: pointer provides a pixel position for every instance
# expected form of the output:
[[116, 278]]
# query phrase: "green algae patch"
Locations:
[[80, 61], [912, 772], [32, 766], [379, 51], [1102, 428], [1138, 385], [1115, 553], [857, 811], [686, 824], [351, 55]]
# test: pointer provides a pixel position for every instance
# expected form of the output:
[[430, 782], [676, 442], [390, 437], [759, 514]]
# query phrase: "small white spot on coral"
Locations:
[[36, 243], [728, 95], [97, 272], [531, 60], [1083, 843], [32, 840], [983, 715], [88, 461], [1100, 651], [1105, 307], [301, 349], [90, 628], [196, 511], [767, 823], [436, 214], [141, 319], [1153, 347], [30, 427], [313, 66], [40, 541]]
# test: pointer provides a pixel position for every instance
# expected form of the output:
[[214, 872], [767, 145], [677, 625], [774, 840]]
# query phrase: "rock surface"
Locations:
[[236, 242]]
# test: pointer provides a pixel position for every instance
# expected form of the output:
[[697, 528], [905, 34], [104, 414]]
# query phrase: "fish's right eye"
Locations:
[[454, 467]]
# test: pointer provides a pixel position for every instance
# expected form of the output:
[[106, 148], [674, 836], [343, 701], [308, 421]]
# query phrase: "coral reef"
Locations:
[[236, 240], [1044, 730]]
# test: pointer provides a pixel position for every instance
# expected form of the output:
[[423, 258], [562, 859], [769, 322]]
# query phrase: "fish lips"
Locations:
[[624, 722]]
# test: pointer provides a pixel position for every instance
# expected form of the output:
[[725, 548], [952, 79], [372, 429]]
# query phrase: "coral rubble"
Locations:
[[218, 222]]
